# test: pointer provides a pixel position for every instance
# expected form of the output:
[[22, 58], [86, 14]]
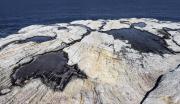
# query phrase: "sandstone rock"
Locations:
[[122, 60]]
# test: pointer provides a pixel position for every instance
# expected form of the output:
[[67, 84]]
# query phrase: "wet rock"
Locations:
[[52, 68], [139, 24], [141, 40], [38, 39]]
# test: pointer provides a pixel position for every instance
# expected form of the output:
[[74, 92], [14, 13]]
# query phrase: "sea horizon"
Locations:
[[15, 15]]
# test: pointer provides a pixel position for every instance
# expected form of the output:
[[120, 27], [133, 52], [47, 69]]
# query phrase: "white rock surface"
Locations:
[[118, 73], [167, 91]]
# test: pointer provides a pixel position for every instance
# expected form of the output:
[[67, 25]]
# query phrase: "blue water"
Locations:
[[15, 14]]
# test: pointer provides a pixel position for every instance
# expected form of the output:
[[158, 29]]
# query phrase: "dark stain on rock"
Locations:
[[37, 39], [51, 68], [165, 32], [139, 24], [141, 40], [62, 28]]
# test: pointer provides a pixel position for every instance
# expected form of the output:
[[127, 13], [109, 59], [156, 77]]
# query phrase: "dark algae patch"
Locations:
[[141, 40], [139, 24], [51, 68], [38, 39]]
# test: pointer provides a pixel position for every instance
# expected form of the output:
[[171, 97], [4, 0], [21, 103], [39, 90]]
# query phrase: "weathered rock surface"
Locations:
[[126, 61], [167, 90]]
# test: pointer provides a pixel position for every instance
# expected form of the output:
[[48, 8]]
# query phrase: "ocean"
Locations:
[[15, 14]]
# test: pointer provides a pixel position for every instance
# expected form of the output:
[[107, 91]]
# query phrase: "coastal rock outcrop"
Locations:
[[167, 89], [125, 61]]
